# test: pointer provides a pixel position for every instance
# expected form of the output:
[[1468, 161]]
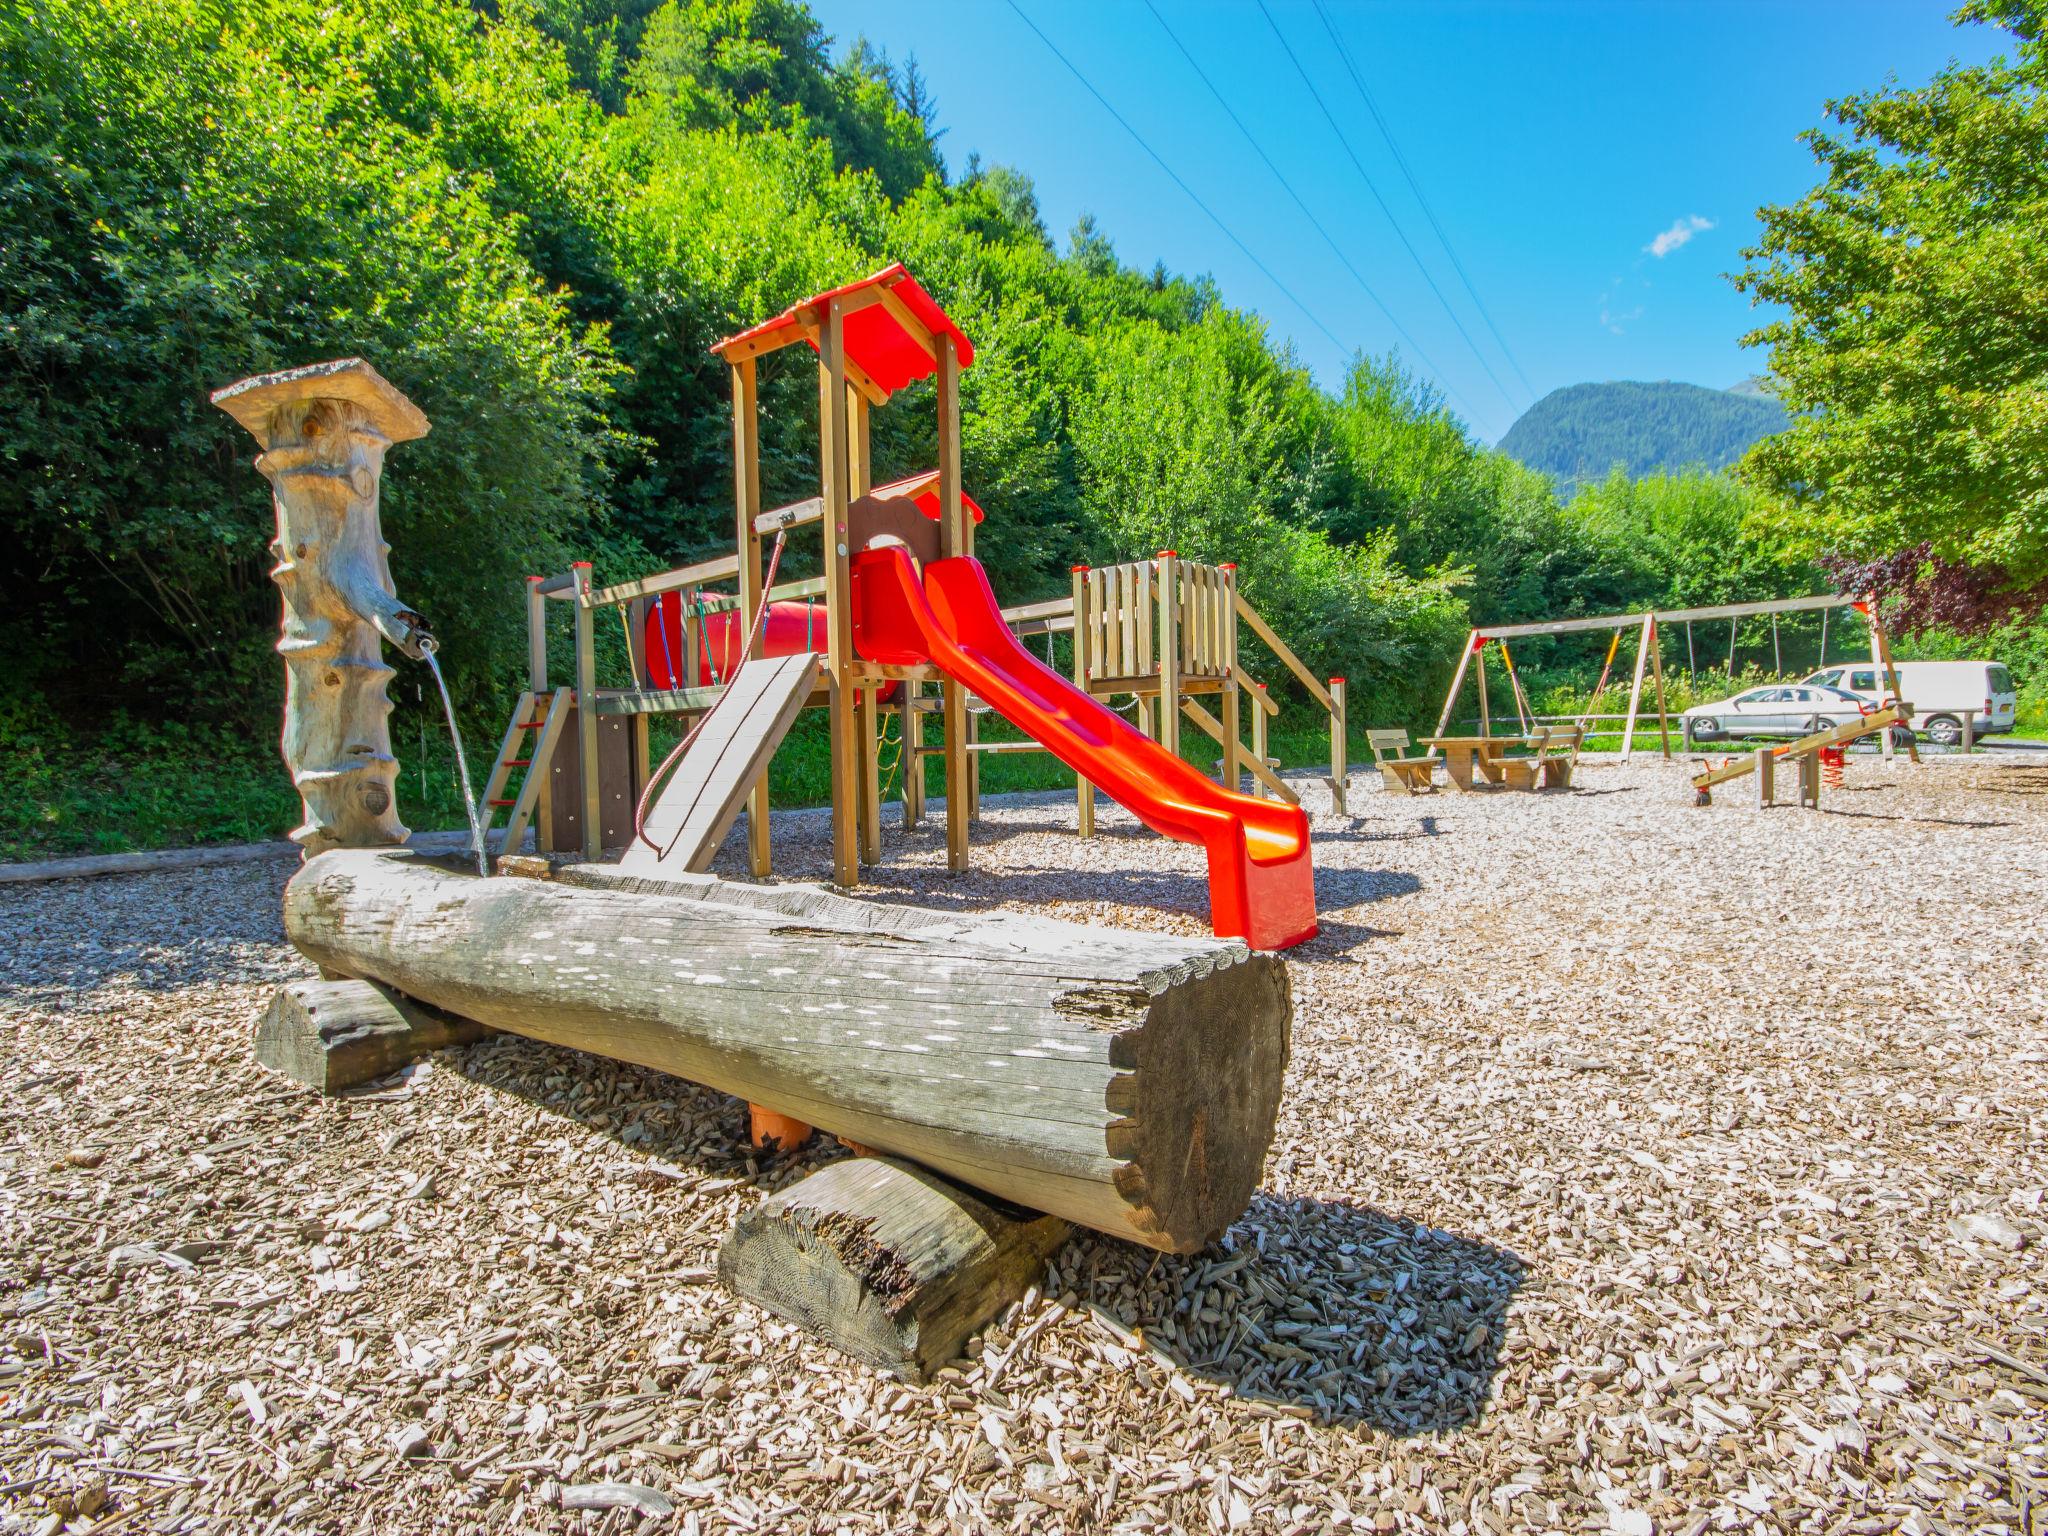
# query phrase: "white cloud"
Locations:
[[1677, 235]]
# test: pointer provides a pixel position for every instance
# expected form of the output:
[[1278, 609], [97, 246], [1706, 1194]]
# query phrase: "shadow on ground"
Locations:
[[1355, 1317]]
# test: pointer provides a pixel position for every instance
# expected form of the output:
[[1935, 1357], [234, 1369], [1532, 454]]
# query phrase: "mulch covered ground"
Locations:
[[1642, 1168]]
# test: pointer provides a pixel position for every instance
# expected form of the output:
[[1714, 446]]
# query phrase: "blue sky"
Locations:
[[1555, 141]]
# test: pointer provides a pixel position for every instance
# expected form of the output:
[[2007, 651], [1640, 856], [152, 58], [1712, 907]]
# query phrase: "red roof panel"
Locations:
[[875, 340]]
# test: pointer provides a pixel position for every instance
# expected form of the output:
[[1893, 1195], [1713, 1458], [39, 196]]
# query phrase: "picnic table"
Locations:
[[1469, 758]]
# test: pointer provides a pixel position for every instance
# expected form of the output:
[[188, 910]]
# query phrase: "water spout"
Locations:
[[428, 649]]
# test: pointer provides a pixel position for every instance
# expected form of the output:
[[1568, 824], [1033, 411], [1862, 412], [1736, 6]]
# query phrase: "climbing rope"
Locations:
[[676, 756]]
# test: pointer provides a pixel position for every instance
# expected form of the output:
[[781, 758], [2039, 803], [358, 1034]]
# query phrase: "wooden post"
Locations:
[[833, 435], [1881, 663], [1340, 747], [1169, 650], [1657, 665], [1823, 638], [955, 540], [1259, 739], [869, 705], [1766, 777], [1969, 730], [886, 1261], [1485, 713], [536, 638], [1692, 666], [1084, 792], [1443, 720], [1777, 650], [1732, 623], [586, 711], [1635, 692], [913, 754], [746, 480], [324, 430], [1230, 704]]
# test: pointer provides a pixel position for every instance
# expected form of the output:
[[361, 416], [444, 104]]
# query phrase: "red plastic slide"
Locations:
[[1261, 884]]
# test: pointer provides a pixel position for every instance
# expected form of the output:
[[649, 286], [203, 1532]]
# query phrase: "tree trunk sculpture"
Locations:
[[324, 430]]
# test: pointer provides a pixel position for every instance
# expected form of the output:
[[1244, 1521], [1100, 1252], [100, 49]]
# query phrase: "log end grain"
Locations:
[[332, 1035], [1200, 1099], [886, 1261]]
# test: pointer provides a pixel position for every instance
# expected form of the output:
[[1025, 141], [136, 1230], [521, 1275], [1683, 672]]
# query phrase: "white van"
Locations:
[[1942, 694]]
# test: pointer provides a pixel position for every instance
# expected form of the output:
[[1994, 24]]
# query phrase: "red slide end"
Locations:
[[1261, 883]]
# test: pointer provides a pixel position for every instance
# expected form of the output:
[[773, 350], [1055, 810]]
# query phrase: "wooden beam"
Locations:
[[1668, 615], [886, 1262], [1635, 691], [1340, 747], [1213, 729], [955, 541], [586, 716], [1169, 650], [1084, 792], [1657, 666], [724, 568], [1443, 720], [1129, 1082], [798, 514], [833, 433], [1280, 649]]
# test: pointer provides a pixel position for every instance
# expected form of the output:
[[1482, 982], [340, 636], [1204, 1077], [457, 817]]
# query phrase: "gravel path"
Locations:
[[1642, 1168]]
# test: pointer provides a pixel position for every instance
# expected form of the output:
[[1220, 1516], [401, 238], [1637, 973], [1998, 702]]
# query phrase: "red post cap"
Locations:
[[1167, 554], [532, 579], [1228, 565], [579, 565], [1077, 567], [1334, 680]]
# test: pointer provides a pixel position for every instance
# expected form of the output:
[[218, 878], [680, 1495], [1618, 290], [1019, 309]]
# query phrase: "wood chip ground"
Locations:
[[1642, 1168]]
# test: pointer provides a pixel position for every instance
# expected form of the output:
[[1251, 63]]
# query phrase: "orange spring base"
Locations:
[[765, 1125]]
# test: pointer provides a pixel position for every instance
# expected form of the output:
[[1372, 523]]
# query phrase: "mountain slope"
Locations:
[[1583, 430]]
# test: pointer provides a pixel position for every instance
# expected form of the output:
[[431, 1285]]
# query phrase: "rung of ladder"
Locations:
[[518, 762], [501, 802], [528, 725]]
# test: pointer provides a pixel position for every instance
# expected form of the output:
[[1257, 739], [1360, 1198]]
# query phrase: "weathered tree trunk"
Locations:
[[324, 430], [1128, 1082], [332, 1035], [888, 1262]]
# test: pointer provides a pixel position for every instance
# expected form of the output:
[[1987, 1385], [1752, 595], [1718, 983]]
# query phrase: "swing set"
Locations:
[[1649, 661]]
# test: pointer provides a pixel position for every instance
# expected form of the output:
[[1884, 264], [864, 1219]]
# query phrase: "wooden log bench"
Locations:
[[1127, 1082]]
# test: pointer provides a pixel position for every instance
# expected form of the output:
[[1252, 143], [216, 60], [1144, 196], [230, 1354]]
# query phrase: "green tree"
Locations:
[[1915, 353]]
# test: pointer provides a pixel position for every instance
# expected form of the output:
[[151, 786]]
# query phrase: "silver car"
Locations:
[[1791, 709]]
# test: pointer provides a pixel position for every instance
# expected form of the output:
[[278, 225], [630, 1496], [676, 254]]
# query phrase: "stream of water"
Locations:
[[476, 827]]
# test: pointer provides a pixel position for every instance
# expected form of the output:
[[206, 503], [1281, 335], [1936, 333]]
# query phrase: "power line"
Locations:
[[1307, 213], [1228, 234], [1351, 68], [1366, 177]]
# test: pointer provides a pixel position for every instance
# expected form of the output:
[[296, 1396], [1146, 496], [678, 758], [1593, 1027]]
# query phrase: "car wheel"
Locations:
[[1702, 728], [1902, 736], [1944, 730], [1818, 724]]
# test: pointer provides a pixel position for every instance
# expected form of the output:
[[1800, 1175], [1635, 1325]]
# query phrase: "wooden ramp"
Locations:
[[703, 798]]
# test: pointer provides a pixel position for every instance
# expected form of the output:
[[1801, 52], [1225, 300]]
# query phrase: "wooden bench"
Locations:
[[1526, 772], [1561, 756], [1413, 774]]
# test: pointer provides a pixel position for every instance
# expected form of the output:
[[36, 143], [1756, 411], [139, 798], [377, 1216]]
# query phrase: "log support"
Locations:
[[332, 1035], [892, 1264]]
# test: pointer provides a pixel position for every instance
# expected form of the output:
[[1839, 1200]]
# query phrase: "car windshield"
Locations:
[[1837, 696]]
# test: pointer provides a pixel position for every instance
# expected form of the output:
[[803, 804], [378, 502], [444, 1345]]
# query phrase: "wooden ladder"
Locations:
[[547, 714]]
